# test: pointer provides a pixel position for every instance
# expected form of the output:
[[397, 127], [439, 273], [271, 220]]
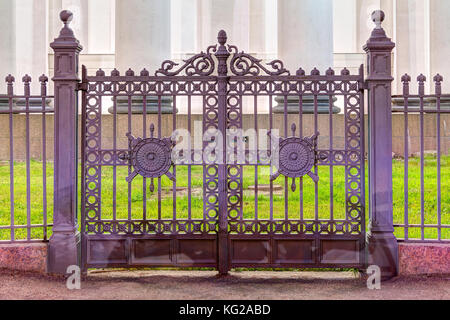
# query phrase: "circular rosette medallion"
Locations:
[[151, 157], [297, 157]]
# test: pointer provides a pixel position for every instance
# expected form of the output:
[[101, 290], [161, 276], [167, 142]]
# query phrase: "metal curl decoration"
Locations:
[[242, 64], [201, 64]]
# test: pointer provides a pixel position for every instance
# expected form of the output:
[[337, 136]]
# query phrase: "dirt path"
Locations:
[[205, 285]]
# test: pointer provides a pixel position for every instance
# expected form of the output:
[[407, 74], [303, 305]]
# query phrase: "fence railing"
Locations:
[[32, 193], [425, 215], [27, 216]]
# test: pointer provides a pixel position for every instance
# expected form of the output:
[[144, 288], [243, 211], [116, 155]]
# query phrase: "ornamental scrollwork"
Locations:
[[201, 64], [243, 64]]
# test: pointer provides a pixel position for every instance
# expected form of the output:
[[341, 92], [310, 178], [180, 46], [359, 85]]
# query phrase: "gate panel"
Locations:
[[308, 235], [151, 231], [153, 223]]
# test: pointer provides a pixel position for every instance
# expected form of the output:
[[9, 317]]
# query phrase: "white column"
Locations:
[[305, 34], [101, 21], [184, 28], [229, 15], [142, 41], [31, 45], [305, 39], [440, 41], [8, 40], [257, 28], [142, 34], [8, 47], [31, 40], [412, 41]]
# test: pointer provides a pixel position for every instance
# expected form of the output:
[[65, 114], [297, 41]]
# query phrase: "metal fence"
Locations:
[[41, 196], [27, 216], [425, 215]]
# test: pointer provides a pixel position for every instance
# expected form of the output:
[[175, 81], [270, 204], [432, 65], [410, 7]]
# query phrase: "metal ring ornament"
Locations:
[[297, 157], [150, 157]]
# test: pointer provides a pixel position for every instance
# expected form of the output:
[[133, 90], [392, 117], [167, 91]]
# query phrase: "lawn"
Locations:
[[37, 209]]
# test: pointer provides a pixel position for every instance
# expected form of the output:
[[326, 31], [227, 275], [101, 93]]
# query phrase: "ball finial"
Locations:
[[222, 37], [66, 16], [378, 18]]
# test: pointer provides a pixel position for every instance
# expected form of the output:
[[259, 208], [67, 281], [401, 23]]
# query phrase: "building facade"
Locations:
[[135, 34]]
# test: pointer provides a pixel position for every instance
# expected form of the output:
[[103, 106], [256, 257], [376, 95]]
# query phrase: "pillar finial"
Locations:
[[378, 18], [66, 17]]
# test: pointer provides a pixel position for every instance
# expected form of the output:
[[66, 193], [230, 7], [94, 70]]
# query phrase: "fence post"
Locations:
[[64, 246], [382, 244], [222, 55]]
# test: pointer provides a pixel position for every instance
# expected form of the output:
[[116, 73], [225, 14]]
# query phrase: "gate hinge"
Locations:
[[82, 86]]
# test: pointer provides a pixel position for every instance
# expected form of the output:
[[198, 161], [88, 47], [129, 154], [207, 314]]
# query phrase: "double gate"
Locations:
[[261, 189]]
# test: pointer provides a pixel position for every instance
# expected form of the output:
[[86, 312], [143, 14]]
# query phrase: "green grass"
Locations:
[[167, 212]]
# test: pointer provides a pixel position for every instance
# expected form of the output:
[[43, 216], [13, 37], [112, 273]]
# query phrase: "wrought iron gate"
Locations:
[[198, 211]]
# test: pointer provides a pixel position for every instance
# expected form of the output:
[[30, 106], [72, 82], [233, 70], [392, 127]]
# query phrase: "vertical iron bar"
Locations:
[[271, 156], [26, 80], [421, 80], [256, 157], [406, 80], [129, 164], [10, 80], [300, 134], [331, 150], [84, 183], [286, 189], [144, 179], [43, 79], [316, 184], [174, 183], [159, 137], [114, 204], [438, 78], [191, 156]]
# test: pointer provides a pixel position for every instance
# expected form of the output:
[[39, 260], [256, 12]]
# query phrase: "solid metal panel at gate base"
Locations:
[[164, 227]]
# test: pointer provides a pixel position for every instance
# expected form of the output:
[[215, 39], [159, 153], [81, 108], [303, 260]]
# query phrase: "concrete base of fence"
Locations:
[[414, 258], [24, 257], [424, 258]]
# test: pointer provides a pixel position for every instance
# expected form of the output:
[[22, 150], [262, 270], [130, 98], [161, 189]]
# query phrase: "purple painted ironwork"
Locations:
[[231, 232], [382, 244], [297, 157], [65, 243], [150, 157], [29, 229], [426, 229], [221, 235]]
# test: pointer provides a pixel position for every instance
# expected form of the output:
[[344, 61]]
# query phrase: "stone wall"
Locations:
[[36, 141]]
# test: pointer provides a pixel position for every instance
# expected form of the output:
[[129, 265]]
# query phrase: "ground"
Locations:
[[205, 285]]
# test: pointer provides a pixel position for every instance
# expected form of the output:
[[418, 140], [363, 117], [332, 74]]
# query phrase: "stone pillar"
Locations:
[[382, 244], [64, 245], [305, 39], [142, 41], [8, 47]]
